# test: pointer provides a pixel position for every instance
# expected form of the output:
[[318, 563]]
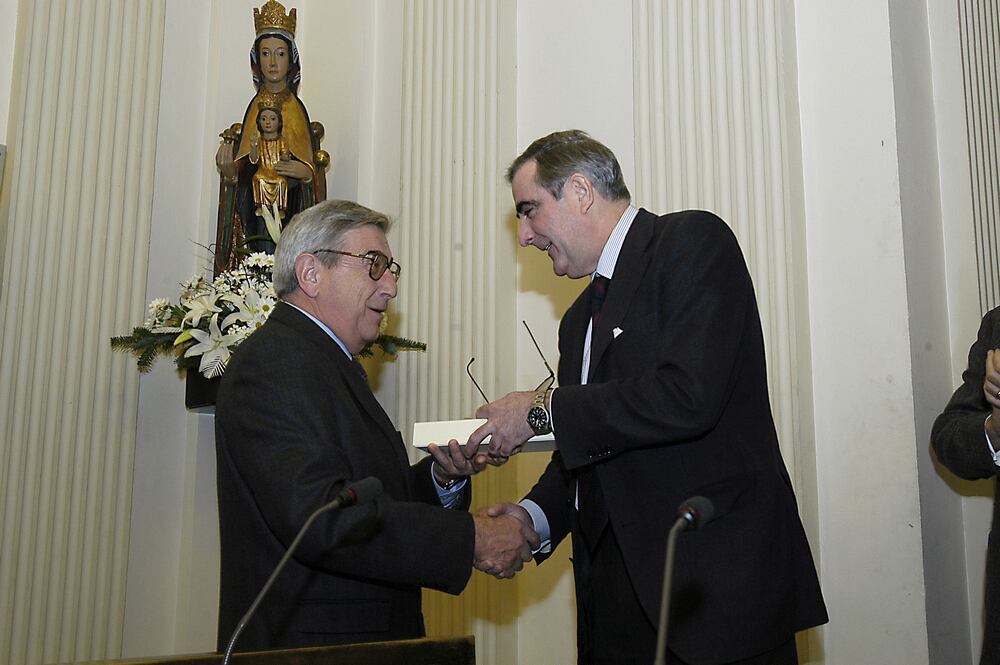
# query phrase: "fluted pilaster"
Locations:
[[455, 232], [711, 132], [77, 200]]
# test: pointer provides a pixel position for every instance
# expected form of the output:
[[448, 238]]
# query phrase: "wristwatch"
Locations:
[[538, 417], [446, 485]]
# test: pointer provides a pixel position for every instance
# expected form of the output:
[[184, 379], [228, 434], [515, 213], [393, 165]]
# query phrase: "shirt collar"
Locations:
[[613, 247], [324, 327]]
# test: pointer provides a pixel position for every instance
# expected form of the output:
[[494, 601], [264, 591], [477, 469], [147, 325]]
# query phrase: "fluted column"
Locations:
[[711, 132], [979, 30], [460, 295], [76, 215]]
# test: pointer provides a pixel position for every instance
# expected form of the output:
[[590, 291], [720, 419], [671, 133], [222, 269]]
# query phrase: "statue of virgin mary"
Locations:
[[276, 69]]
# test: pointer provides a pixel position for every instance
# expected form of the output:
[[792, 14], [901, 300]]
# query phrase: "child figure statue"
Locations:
[[266, 152]]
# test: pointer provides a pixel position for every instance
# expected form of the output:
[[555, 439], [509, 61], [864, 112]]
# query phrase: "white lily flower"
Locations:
[[272, 221], [252, 309], [199, 306], [213, 347]]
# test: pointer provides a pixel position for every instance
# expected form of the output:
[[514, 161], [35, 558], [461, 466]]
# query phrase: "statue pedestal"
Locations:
[[200, 393]]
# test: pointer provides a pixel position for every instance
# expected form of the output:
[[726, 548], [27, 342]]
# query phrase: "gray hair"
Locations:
[[561, 154], [320, 227]]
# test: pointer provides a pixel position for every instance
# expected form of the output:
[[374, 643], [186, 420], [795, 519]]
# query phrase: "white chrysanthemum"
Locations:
[[242, 331], [259, 259], [192, 284], [156, 304], [157, 312], [267, 303]]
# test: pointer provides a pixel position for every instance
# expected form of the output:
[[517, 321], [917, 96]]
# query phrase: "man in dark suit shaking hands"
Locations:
[[296, 422], [662, 396], [966, 439]]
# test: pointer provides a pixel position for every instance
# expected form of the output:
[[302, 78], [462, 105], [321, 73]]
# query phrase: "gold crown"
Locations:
[[272, 100], [272, 15], [269, 104]]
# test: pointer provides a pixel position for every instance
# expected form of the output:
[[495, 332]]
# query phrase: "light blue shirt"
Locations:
[[449, 497]]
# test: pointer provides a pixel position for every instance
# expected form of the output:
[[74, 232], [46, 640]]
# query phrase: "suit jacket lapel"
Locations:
[[352, 377], [629, 271], [358, 385]]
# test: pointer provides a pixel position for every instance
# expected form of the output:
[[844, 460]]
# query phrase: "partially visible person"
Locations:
[[662, 396], [296, 421], [966, 439]]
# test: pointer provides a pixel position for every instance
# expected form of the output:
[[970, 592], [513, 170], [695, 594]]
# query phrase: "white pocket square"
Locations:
[[616, 332]]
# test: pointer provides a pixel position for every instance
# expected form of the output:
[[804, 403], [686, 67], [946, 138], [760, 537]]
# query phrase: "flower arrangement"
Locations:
[[212, 318]]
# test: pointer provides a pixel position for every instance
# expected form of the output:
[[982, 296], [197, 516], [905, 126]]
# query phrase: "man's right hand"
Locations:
[[506, 424], [505, 538], [991, 389]]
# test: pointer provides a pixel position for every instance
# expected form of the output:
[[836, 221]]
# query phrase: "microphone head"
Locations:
[[697, 510], [362, 491]]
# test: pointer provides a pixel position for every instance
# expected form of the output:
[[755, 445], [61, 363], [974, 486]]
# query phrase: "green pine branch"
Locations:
[[146, 346], [392, 345]]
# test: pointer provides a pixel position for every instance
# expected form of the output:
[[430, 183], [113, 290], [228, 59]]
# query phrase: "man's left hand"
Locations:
[[507, 423], [454, 462]]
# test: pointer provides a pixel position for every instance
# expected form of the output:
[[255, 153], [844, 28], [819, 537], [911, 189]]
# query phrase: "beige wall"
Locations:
[[870, 529]]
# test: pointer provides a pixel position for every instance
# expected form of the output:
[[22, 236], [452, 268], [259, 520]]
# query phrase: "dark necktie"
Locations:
[[598, 291], [593, 514]]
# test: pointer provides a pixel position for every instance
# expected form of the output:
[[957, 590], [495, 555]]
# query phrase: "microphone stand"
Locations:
[[668, 568], [693, 513], [360, 492]]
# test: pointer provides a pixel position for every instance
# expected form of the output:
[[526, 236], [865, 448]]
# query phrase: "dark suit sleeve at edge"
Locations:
[[958, 436]]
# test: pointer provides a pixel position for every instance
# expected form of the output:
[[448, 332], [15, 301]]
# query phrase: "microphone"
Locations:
[[361, 492], [691, 514]]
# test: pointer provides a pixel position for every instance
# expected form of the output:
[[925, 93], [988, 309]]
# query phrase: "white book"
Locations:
[[442, 431]]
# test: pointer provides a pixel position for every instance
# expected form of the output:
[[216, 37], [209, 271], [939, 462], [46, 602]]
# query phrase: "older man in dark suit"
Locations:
[[662, 395], [966, 438], [296, 421]]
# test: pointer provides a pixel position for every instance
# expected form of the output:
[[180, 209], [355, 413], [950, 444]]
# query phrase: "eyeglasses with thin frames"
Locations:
[[379, 262], [544, 385]]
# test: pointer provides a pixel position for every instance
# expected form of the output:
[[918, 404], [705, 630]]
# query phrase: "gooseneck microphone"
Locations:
[[693, 513], [361, 492]]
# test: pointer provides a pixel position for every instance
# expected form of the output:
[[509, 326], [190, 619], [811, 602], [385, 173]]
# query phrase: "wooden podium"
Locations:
[[426, 651]]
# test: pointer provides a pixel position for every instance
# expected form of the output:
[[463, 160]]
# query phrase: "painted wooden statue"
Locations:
[[273, 156]]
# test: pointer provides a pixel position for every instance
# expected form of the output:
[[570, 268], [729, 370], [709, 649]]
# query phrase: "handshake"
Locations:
[[505, 539], [505, 532]]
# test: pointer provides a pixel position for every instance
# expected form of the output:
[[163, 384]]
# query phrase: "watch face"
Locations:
[[538, 420]]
